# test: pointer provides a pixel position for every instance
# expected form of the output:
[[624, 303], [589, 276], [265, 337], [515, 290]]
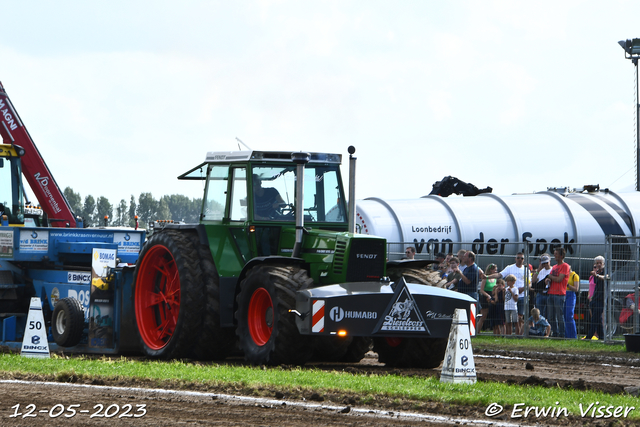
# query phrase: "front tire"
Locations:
[[168, 295], [267, 331]]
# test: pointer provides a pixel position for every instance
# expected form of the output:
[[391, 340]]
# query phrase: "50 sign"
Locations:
[[35, 324]]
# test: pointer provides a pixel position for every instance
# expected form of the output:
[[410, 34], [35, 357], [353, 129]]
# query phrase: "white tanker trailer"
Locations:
[[490, 225]]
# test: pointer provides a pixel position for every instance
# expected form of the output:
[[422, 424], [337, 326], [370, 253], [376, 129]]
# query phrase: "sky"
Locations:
[[121, 97]]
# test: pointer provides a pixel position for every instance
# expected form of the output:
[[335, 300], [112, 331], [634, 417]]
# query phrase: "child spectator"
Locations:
[[538, 325], [511, 304], [496, 310], [454, 275], [445, 268]]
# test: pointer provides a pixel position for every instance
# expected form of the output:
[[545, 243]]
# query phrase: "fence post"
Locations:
[[525, 333], [635, 286], [608, 314]]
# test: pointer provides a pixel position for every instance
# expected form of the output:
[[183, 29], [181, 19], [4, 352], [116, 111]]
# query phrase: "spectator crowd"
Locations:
[[500, 295]]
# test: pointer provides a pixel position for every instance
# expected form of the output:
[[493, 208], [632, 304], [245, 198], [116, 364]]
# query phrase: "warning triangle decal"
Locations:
[[402, 313]]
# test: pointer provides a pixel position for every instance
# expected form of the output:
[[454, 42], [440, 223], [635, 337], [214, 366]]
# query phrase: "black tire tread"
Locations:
[[214, 342], [286, 345], [192, 303], [74, 322]]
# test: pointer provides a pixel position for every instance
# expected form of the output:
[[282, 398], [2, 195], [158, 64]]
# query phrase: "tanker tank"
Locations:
[[489, 224]]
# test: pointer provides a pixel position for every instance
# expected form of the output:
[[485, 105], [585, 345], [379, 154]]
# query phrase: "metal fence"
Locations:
[[621, 287], [622, 256]]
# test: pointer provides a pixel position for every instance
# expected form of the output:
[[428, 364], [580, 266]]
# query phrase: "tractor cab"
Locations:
[[252, 186], [253, 195]]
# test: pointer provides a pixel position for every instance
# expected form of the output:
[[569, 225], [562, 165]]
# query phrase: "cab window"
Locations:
[[215, 199]]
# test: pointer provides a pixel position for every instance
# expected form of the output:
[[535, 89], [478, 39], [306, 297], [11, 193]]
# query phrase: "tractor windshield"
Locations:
[[274, 193]]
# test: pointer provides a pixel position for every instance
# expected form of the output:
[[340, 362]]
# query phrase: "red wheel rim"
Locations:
[[260, 316], [157, 298], [393, 341]]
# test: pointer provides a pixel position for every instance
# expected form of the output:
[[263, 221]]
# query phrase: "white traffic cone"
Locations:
[[458, 365], [35, 342]]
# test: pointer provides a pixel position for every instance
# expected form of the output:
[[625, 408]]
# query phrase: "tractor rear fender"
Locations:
[[198, 228], [379, 309]]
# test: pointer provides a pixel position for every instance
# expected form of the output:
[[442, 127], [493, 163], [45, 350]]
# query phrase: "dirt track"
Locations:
[[606, 373]]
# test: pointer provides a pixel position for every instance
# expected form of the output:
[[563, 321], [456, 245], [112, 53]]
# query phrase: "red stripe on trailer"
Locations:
[[317, 321]]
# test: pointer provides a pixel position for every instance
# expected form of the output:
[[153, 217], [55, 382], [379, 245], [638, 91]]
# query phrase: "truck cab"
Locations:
[[11, 191]]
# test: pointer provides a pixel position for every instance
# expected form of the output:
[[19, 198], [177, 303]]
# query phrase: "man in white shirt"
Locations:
[[518, 270]]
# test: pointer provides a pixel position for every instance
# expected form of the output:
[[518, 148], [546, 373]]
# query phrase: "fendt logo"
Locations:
[[367, 256]]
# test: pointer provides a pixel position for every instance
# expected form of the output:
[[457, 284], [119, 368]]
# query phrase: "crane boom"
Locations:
[[34, 168]]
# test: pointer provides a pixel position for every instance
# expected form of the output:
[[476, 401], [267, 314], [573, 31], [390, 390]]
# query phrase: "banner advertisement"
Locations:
[[102, 298]]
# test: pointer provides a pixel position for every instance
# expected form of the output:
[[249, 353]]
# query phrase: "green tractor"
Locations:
[[273, 270]]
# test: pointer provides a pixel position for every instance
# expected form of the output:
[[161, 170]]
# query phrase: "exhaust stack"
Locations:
[[299, 159], [352, 189]]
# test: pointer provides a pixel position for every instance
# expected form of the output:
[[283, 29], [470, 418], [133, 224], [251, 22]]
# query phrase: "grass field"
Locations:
[[367, 387], [550, 345]]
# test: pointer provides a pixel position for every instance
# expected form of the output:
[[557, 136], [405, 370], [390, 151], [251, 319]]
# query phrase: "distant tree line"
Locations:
[[175, 207]]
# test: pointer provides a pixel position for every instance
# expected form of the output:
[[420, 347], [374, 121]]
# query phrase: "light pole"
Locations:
[[632, 52]]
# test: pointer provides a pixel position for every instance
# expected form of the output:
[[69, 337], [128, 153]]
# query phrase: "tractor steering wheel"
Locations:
[[285, 211]]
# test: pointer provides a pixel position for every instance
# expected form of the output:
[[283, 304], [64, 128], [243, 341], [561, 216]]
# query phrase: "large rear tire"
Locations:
[[267, 331], [214, 342], [67, 322], [416, 275], [168, 295], [425, 353]]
